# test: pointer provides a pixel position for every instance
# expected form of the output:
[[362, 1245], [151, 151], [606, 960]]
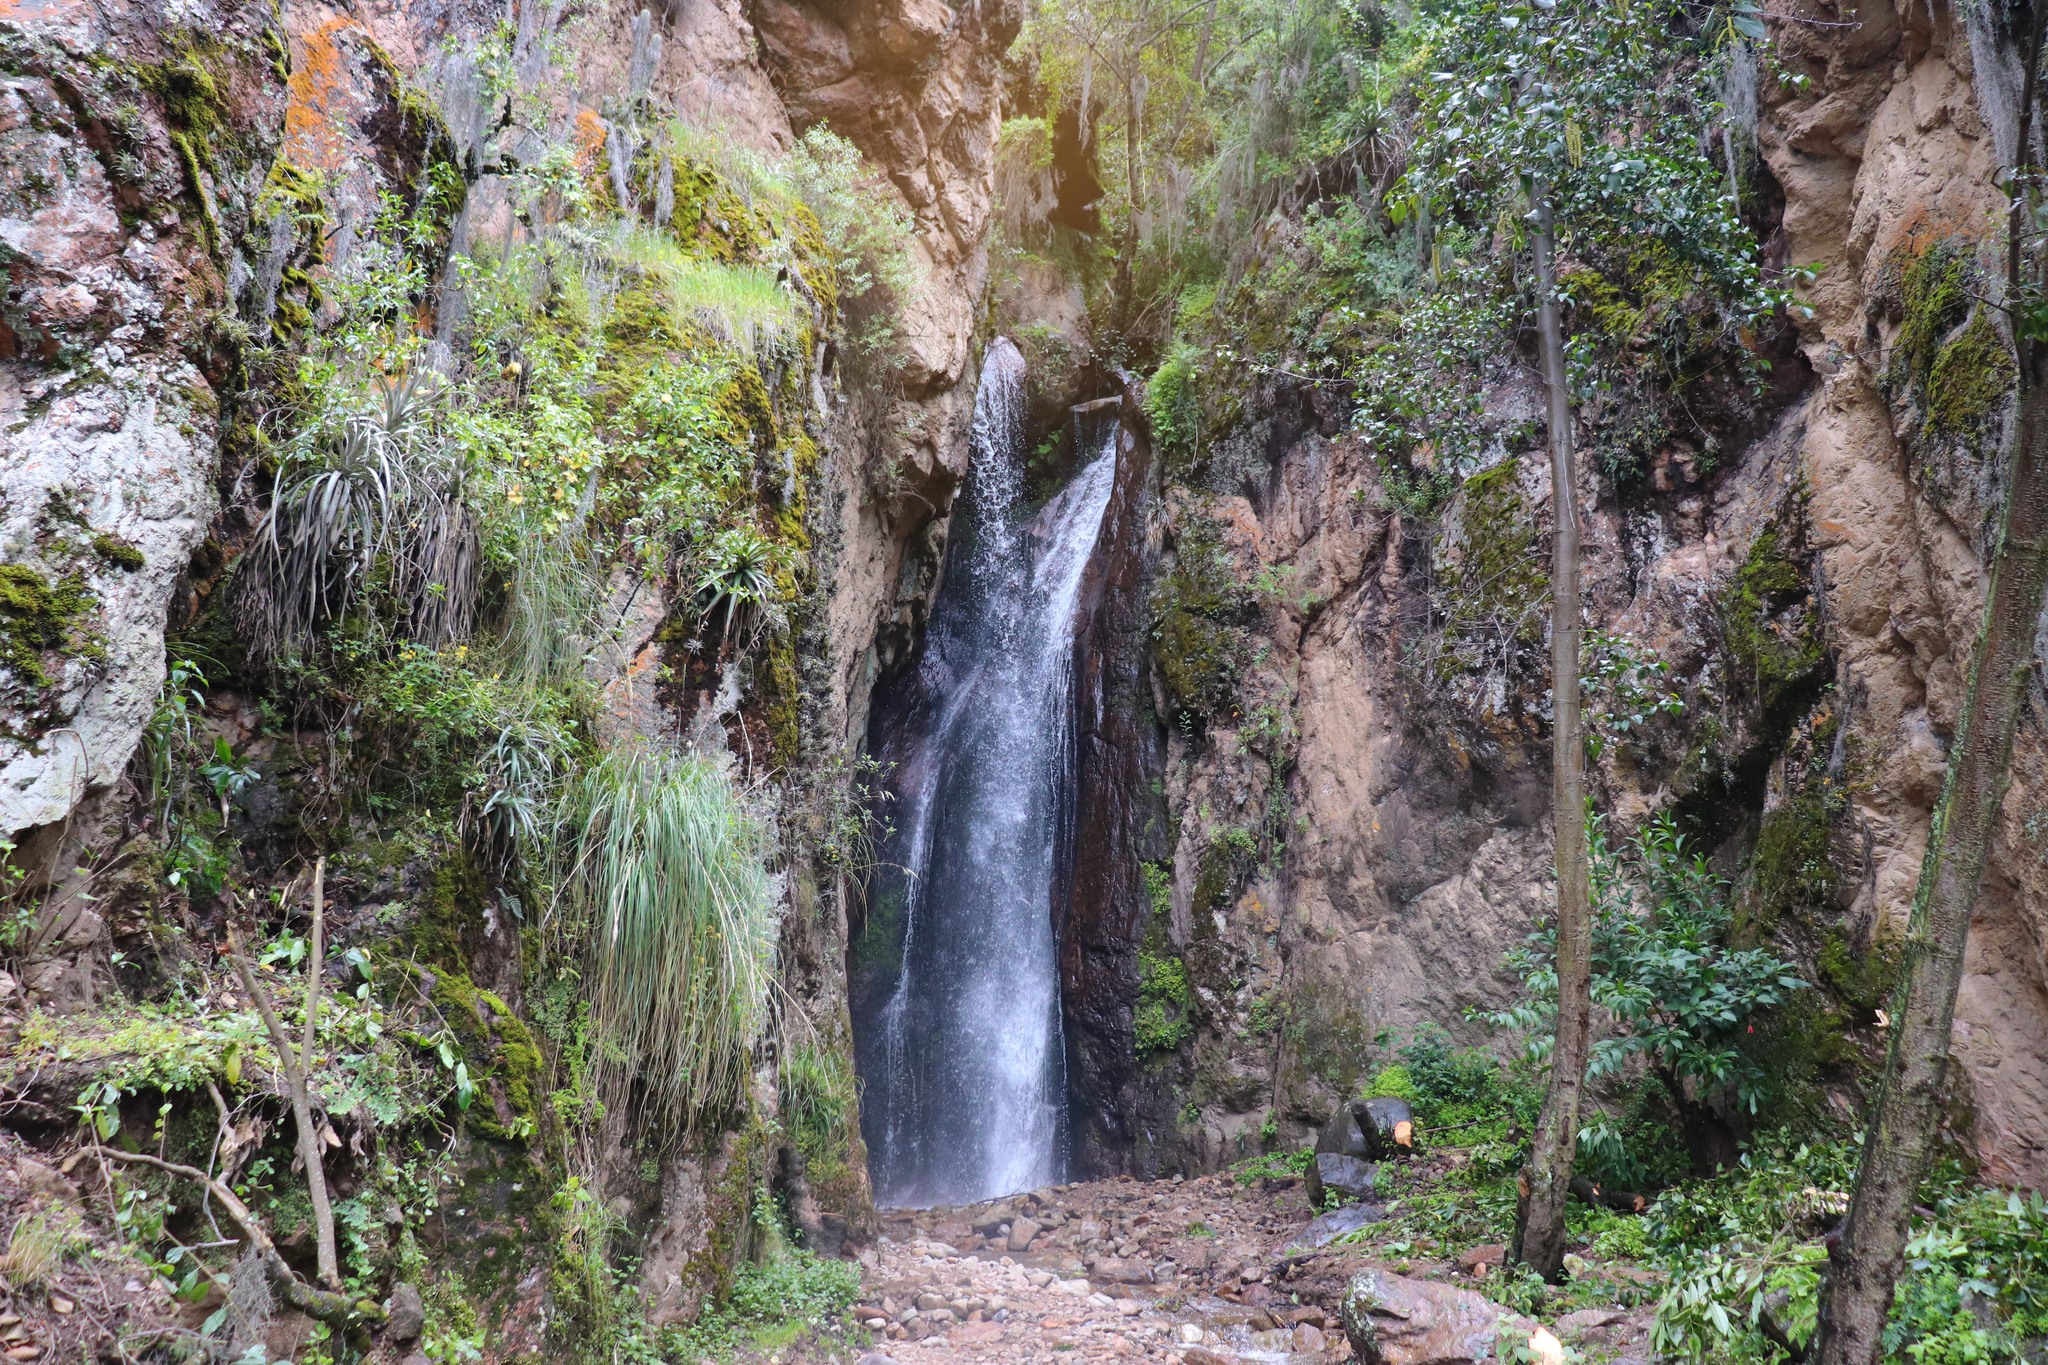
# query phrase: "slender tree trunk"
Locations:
[[1864, 1266], [1125, 286], [327, 1264], [1546, 1181]]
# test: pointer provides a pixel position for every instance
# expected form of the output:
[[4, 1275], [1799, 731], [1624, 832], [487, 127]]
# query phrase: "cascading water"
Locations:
[[958, 1036]]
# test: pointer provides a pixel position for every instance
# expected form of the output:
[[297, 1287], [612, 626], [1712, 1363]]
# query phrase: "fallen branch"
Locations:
[[314, 1302], [295, 1076]]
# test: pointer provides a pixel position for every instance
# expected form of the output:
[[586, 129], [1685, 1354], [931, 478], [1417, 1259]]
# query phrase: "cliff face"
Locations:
[[1814, 595], [125, 187], [184, 196]]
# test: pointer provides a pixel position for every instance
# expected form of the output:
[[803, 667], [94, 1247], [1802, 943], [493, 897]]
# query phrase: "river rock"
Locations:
[[1345, 1177], [1328, 1227], [1393, 1320], [1120, 1270], [1021, 1233]]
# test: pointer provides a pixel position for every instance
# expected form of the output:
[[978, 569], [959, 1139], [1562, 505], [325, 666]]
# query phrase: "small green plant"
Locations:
[[1676, 995], [739, 575]]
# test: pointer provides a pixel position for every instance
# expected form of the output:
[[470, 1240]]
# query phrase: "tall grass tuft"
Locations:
[[743, 306], [666, 870], [552, 614]]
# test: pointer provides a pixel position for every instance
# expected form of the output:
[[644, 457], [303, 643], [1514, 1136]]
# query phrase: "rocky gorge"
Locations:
[[694, 302]]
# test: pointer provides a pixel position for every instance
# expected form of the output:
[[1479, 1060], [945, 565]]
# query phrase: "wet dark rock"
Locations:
[[1347, 1178], [1327, 1228]]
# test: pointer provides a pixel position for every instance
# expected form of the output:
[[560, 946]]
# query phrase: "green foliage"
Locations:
[[1744, 1245], [663, 872], [1675, 994], [866, 235], [739, 575], [794, 1290], [1173, 409], [1162, 1024], [1392, 1082], [741, 306]]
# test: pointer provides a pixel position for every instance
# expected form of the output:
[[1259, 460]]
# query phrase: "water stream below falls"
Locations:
[[956, 985]]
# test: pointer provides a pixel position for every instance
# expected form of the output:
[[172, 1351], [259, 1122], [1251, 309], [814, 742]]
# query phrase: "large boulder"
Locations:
[[1393, 1320], [1369, 1130], [1332, 1175]]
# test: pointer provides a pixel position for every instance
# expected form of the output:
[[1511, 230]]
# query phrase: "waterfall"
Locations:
[[958, 1033]]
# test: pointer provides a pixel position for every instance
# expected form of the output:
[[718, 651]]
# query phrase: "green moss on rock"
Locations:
[[500, 1050], [1768, 629], [1494, 586], [1970, 377], [39, 618], [115, 550], [1199, 611]]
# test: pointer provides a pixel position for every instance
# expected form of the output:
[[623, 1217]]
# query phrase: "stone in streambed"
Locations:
[[1021, 1232], [1393, 1320], [1119, 1270], [1327, 1228]]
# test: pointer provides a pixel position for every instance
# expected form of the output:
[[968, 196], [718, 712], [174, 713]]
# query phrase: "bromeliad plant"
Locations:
[[371, 500]]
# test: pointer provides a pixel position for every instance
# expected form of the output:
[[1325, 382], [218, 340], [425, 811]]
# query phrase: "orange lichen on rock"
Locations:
[[590, 133], [316, 96]]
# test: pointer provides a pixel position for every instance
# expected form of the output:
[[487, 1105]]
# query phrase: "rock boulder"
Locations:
[[1393, 1320]]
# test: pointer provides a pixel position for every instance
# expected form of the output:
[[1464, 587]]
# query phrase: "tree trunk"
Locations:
[[1864, 1267], [1125, 285], [1546, 1181]]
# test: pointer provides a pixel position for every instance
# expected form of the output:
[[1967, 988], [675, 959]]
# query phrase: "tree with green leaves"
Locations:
[[1864, 1270], [1573, 128]]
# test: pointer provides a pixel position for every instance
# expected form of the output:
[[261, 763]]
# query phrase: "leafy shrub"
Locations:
[[794, 1290], [1674, 993], [867, 234]]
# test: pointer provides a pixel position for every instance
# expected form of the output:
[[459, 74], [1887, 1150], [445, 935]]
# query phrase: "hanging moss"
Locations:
[[1771, 633], [39, 618], [1199, 611]]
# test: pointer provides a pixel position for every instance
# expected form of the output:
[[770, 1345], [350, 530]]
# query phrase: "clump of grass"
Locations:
[[34, 1251], [666, 871], [743, 306]]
